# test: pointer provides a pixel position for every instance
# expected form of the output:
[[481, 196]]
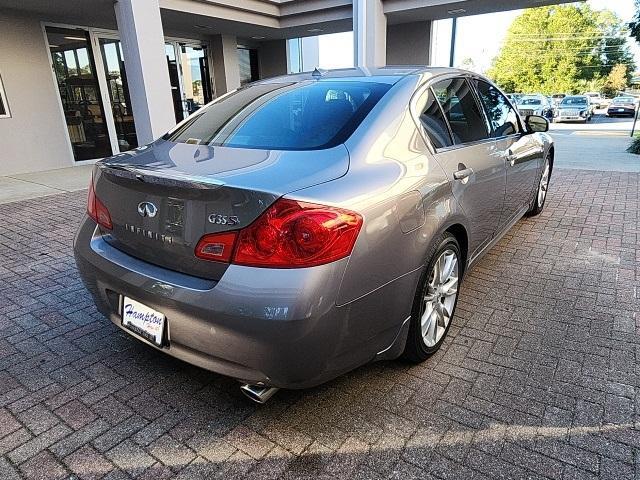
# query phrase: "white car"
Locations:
[[574, 108], [535, 105], [596, 99]]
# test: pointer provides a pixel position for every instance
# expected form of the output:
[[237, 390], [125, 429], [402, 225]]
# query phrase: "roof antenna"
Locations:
[[317, 73]]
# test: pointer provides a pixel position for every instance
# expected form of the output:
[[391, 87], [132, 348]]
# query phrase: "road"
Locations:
[[598, 145]]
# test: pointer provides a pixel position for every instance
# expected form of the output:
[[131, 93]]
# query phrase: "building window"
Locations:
[[4, 106], [248, 60]]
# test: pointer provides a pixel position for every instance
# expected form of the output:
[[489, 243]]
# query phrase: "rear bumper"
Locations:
[[612, 112], [280, 327]]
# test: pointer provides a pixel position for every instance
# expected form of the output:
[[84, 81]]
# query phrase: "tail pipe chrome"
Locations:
[[258, 393]]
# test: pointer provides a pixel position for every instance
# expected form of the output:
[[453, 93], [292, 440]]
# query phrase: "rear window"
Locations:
[[284, 116]]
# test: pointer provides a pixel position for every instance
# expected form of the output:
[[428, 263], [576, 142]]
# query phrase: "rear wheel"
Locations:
[[435, 300], [543, 186]]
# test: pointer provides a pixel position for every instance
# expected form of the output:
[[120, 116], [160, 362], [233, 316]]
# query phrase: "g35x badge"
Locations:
[[218, 219]]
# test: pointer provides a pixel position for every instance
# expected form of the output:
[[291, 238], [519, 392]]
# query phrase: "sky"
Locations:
[[336, 50]]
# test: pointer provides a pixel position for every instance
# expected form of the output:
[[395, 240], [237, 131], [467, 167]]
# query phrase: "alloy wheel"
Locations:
[[439, 297], [544, 185]]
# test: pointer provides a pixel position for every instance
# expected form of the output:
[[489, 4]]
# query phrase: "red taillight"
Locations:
[[216, 246], [96, 209], [290, 234]]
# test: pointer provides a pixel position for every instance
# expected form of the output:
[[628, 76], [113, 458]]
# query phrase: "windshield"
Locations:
[[530, 101], [622, 100], [574, 101], [283, 116]]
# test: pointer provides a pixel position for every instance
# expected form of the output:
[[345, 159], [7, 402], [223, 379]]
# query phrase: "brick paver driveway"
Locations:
[[539, 376]]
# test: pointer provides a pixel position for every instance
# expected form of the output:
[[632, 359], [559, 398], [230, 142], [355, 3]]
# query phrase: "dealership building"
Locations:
[[84, 79]]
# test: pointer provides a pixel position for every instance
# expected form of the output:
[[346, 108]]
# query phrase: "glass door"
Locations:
[[79, 90], [118, 88], [190, 78], [174, 78], [248, 64], [196, 80]]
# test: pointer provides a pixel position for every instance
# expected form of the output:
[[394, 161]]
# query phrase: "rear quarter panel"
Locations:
[[406, 201]]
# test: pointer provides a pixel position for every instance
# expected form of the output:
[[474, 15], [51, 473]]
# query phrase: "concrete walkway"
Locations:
[[24, 186]]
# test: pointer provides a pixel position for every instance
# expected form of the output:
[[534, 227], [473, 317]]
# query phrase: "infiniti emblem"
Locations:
[[147, 209]]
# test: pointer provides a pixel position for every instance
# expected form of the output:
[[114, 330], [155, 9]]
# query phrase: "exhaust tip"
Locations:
[[258, 393]]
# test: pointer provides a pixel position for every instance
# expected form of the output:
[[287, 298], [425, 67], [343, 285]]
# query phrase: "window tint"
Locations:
[[461, 110], [284, 116], [503, 118], [434, 123]]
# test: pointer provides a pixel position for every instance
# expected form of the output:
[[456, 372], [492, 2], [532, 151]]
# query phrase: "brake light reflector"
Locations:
[[292, 234], [97, 210], [216, 246]]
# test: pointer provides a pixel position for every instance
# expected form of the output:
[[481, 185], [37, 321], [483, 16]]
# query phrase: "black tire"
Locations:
[[416, 350], [536, 208]]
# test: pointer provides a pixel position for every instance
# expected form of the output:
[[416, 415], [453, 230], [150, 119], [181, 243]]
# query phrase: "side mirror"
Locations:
[[536, 123]]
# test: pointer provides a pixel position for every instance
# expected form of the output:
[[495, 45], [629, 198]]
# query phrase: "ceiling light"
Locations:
[[258, 37], [456, 11], [76, 38], [202, 27], [314, 30]]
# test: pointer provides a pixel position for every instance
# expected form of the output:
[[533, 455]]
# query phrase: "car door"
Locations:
[[520, 152], [453, 121]]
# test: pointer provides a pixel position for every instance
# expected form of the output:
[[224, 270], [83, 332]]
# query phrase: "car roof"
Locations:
[[388, 74]]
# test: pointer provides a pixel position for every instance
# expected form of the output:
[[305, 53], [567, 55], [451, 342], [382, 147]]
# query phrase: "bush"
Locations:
[[635, 146]]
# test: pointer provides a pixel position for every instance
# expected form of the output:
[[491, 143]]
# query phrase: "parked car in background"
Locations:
[[574, 108], [514, 97], [285, 253], [596, 99], [535, 105], [556, 98], [622, 106]]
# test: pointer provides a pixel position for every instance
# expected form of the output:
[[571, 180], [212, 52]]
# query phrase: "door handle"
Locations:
[[510, 157], [463, 174]]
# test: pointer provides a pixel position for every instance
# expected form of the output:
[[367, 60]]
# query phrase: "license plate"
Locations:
[[621, 109], [142, 320]]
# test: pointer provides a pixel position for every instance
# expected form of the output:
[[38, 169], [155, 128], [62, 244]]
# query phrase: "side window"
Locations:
[[433, 121], [502, 116], [461, 110]]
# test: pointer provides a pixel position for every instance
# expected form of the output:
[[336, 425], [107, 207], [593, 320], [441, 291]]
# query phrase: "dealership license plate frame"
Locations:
[[150, 324]]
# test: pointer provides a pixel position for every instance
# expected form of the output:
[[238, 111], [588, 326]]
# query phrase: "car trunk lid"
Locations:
[[163, 198]]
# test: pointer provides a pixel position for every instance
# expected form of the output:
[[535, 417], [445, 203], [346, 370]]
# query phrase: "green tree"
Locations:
[[614, 49], [560, 49], [634, 26], [617, 80]]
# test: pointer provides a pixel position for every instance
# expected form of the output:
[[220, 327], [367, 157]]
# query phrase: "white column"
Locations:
[[226, 69], [142, 40], [369, 33]]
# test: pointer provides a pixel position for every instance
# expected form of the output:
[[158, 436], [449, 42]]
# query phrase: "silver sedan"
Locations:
[[302, 226]]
